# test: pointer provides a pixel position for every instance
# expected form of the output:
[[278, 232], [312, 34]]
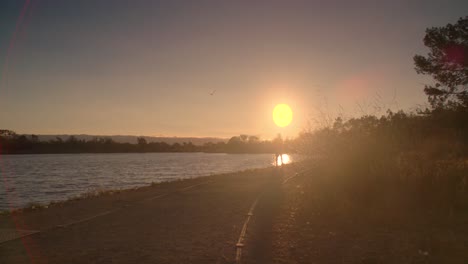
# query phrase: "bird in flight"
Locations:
[[213, 92]]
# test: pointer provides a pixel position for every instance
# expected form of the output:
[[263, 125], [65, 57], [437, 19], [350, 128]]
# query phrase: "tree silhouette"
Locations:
[[7, 133], [34, 138], [141, 141], [12, 143], [447, 63], [254, 140]]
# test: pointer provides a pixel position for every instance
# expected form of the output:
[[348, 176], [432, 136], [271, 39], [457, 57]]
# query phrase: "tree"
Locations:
[[254, 139], [447, 63], [72, 140], [244, 137], [278, 143], [234, 141], [141, 141], [7, 133], [34, 138]]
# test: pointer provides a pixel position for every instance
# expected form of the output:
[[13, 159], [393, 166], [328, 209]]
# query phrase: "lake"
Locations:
[[44, 178]]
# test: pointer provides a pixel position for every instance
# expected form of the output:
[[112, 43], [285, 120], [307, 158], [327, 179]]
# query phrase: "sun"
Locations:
[[282, 115]]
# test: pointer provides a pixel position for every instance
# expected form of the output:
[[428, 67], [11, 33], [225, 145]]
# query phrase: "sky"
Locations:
[[208, 68]]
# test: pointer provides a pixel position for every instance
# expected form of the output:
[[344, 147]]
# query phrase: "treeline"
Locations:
[[12, 143], [399, 159], [439, 133]]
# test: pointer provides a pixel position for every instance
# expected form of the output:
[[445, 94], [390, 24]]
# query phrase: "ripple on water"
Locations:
[[45, 178]]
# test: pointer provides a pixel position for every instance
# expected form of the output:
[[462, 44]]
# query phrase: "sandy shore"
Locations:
[[199, 221]]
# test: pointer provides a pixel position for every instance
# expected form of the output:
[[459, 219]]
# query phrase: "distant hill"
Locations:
[[133, 139]]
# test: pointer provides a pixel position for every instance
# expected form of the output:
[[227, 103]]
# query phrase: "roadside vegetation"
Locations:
[[420, 155]]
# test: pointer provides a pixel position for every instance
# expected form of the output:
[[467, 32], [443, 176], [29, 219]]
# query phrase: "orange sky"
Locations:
[[148, 67]]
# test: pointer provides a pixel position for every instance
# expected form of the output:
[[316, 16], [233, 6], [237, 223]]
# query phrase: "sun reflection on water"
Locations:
[[283, 159]]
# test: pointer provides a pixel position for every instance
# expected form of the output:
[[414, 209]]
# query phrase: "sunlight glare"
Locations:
[[283, 159], [282, 115]]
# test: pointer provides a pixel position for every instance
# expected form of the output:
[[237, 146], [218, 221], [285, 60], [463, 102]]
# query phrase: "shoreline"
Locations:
[[298, 218], [31, 206], [188, 221], [136, 152], [31, 187]]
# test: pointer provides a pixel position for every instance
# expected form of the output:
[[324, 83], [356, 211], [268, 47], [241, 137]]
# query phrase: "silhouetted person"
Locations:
[[277, 155]]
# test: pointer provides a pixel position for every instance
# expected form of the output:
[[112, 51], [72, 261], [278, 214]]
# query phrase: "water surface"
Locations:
[[44, 178]]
